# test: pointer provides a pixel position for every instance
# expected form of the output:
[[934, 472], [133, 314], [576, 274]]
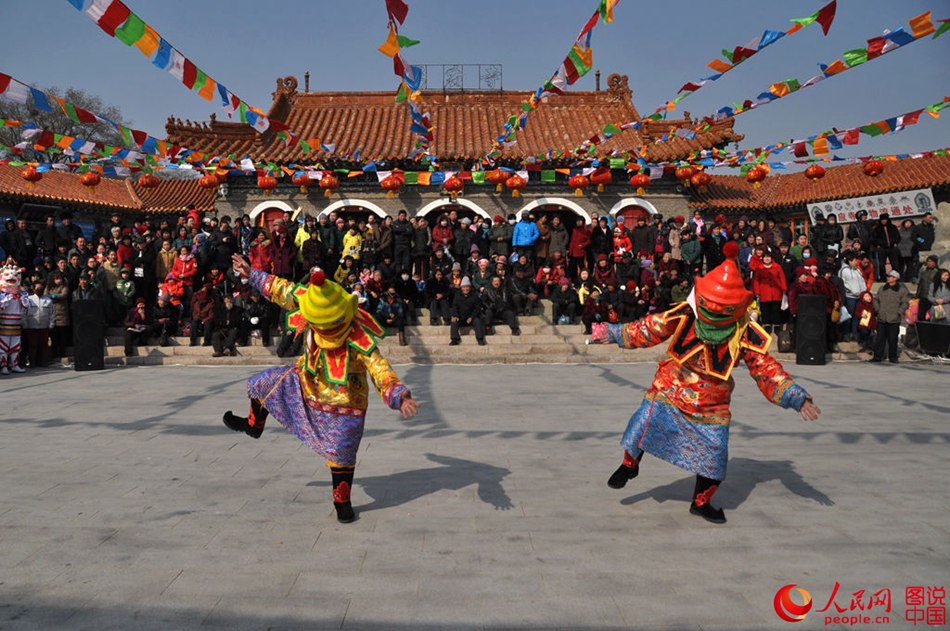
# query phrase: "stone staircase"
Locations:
[[540, 341]]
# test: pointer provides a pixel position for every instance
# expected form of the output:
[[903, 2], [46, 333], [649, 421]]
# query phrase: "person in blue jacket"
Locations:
[[525, 235]]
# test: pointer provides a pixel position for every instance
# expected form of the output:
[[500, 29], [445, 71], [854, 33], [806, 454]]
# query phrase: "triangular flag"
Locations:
[[391, 46]]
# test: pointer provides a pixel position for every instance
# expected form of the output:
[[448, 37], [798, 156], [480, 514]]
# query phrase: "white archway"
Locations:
[[274, 203], [634, 201], [362, 203], [556, 201], [464, 203]]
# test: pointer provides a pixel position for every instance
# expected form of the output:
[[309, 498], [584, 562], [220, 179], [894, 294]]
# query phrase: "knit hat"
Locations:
[[465, 282], [466, 221], [456, 266], [474, 248], [564, 281], [324, 303], [895, 274], [483, 262], [499, 219]]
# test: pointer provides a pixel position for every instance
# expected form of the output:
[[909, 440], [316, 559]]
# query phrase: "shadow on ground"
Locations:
[[744, 475], [452, 474]]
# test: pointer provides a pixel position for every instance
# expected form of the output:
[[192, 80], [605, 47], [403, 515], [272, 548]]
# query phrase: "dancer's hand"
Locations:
[[409, 407], [810, 411], [240, 266]]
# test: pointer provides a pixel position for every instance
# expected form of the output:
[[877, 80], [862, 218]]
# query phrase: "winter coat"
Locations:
[[225, 319], [421, 242], [906, 245], [186, 269], [693, 252], [768, 282], [402, 234], [39, 313], [644, 240], [559, 240], [542, 247], [579, 243], [462, 246], [312, 253], [164, 261], [797, 289], [923, 236], [869, 322], [675, 240], [500, 239], [59, 294], [262, 258], [854, 282], [353, 245], [525, 234], [123, 294], [884, 237], [891, 302], [861, 230], [444, 236], [302, 236], [601, 241], [622, 244], [465, 307]]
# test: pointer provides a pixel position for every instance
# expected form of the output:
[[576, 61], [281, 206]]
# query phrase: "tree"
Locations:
[[58, 123]]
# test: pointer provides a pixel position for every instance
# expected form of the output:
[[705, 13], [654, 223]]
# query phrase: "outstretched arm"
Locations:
[[778, 386], [273, 288], [393, 393], [643, 333]]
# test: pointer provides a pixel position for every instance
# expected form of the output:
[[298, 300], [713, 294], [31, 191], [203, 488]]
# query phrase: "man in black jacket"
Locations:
[[499, 306], [884, 238], [228, 318], [165, 319], [861, 229], [402, 242], [256, 317], [524, 293], [466, 311]]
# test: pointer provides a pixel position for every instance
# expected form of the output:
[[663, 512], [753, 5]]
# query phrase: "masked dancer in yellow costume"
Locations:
[[322, 398]]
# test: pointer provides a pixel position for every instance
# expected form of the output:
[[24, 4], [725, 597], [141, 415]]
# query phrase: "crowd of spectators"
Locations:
[[172, 276]]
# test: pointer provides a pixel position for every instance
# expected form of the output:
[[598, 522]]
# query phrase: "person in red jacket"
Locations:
[[577, 248], [768, 285], [443, 235], [260, 254], [185, 268], [283, 251], [622, 243], [866, 318]]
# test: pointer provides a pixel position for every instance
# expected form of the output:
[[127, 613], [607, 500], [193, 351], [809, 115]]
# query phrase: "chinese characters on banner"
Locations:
[[898, 205]]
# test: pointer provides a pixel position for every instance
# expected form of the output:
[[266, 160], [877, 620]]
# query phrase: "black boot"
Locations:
[[705, 488], [342, 481], [253, 425], [626, 471]]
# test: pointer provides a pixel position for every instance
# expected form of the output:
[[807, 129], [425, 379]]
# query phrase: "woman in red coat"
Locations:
[[443, 235], [768, 285], [577, 248]]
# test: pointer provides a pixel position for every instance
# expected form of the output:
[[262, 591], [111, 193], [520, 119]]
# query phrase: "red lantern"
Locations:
[[815, 172], [221, 175], [640, 181], [391, 184], [601, 177], [755, 176], [515, 183], [701, 180], [90, 180], [578, 183], [454, 186], [873, 168], [31, 175], [208, 181], [265, 182], [148, 181], [329, 183], [302, 179], [497, 177], [683, 174]]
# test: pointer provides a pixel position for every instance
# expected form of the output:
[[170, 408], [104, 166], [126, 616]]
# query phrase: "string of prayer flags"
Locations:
[[577, 63], [891, 40]]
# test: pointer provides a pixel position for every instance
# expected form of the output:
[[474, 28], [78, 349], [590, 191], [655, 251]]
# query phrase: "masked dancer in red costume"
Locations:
[[684, 417]]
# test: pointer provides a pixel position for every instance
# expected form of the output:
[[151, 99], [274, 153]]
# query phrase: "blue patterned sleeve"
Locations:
[[776, 384]]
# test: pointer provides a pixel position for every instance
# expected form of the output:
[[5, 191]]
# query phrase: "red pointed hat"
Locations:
[[722, 290]]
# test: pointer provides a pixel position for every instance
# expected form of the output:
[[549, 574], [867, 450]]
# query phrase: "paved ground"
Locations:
[[125, 504]]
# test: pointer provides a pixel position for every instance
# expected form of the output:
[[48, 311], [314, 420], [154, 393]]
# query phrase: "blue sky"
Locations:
[[247, 45]]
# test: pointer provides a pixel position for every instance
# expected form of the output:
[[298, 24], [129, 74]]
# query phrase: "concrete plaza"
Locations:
[[126, 504]]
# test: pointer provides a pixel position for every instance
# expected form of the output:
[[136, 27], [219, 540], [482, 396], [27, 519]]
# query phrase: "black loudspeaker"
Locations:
[[934, 338], [89, 328], [810, 333]]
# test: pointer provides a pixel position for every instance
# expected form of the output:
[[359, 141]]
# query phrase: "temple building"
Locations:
[[464, 123]]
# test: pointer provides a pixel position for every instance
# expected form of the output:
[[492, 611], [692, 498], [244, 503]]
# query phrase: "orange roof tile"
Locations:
[[794, 189], [64, 187], [464, 124], [174, 196]]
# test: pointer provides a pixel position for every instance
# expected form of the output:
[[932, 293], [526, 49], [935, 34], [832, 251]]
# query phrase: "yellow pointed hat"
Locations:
[[325, 304]]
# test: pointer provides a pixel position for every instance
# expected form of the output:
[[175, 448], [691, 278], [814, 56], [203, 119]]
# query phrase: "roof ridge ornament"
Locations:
[[618, 90]]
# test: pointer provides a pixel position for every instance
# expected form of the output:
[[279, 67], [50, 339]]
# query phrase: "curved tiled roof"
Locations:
[[63, 188], [794, 189], [174, 196], [464, 124]]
